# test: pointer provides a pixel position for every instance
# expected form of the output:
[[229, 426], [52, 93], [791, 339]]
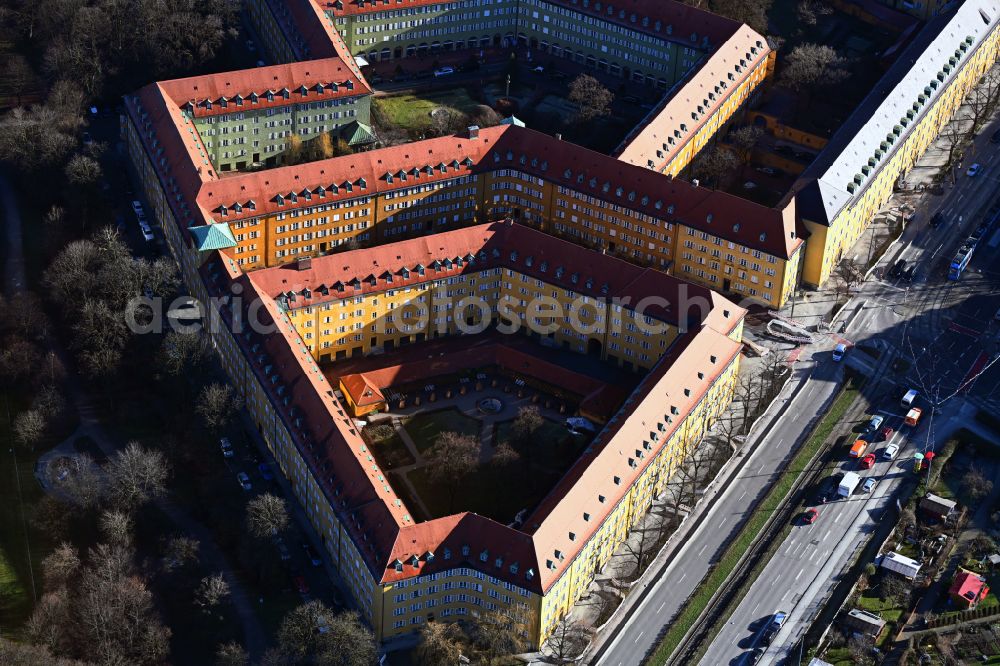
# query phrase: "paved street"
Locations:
[[946, 329]]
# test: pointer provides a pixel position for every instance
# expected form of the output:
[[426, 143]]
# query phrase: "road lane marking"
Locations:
[[702, 551], [723, 522], [799, 573], [742, 496], [826, 535], [661, 607], [638, 637], [683, 576]]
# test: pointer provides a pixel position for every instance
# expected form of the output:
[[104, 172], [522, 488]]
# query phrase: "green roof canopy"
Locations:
[[356, 133], [213, 236]]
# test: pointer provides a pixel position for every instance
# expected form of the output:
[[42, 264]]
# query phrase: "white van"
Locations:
[[909, 398]]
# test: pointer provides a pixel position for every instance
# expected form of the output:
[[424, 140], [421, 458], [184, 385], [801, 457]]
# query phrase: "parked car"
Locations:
[[839, 351], [869, 484], [227, 447], [876, 422], [244, 480], [937, 220], [137, 208], [810, 516], [887, 433], [868, 461], [890, 451], [301, 585], [897, 268], [774, 626], [444, 71], [538, 69], [749, 185], [907, 275], [770, 171], [974, 170], [311, 555], [147, 231], [265, 472]]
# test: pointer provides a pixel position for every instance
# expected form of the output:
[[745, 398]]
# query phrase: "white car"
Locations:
[[839, 351], [244, 481], [890, 451], [147, 231], [870, 483], [227, 447], [974, 169], [137, 207], [444, 71]]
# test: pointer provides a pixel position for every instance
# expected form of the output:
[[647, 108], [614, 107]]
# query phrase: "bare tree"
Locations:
[[592, 99], [745, 139], [504, 455], [983, 99], [83, 485], [135, 476], [179, 551], [452, 458], [82, 170], [231, 654], [60, 566], [975, 486], [500, 632], [116, 526], [217, 406], [313, 633], [23, 654], [440, 643], [29, 427], [860, 648], [567, 640], [715, 166], [267, 515], [211, 592], [811, 66], [809, 11]]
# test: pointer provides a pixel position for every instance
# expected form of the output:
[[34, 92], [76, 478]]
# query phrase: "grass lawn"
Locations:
[[496, 493], [887, 609], [21, 547], [757, 522], [554, 447], [387, 447], [424, 428], [413, 111]]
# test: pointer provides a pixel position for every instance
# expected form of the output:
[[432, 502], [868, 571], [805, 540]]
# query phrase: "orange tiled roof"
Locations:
[[706, 90], [379, 522], [322, 79]]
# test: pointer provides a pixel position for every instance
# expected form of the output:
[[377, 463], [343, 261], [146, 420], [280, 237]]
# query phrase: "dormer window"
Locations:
[[465, 551]]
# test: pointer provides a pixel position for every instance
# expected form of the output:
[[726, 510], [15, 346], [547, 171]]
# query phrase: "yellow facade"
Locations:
[[828, 244]]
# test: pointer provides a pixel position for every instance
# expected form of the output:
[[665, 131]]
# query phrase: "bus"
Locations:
[[961, 261]]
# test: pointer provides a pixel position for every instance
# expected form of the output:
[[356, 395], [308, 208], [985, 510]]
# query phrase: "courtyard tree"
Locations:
[[218, 404], [810, 66], [504, 455], [592, 99], [745, 139], [715, 166], [267, 515], [440, 643], [451, 459], [809, 11], [135, 476]]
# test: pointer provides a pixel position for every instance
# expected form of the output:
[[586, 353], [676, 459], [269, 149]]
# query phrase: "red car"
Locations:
[[810, 516], [868, 461], [301, 585], [887, 433]]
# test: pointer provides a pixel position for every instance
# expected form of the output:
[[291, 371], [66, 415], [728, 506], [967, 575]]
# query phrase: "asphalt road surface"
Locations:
[[945, 330]]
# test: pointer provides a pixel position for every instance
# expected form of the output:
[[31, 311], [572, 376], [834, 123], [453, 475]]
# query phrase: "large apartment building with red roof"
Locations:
[[401, 571]]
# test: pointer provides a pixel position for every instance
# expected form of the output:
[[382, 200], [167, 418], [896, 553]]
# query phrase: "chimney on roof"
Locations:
[[473, 131], [558, 136], [304, 264], [695, 182]]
